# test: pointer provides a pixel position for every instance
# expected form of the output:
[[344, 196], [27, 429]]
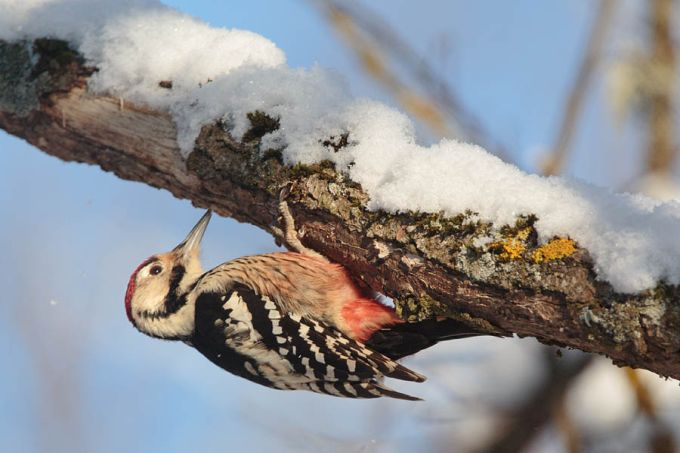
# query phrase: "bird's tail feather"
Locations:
[[386, 391], [357, 389], [401, 340]]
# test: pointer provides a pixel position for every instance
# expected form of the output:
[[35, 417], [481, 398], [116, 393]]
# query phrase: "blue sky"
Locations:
[[78, 377]]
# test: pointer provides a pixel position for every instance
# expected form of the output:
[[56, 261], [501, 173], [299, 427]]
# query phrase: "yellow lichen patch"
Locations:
[[554, 250], [513, 248]]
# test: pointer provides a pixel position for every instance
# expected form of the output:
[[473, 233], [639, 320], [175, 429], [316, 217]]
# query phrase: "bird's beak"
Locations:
[[191, 244]]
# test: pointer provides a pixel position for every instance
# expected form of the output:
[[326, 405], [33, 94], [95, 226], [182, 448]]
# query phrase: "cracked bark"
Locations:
[[493, 277]]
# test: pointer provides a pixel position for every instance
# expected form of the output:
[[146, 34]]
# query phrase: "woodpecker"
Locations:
[[289, 320]]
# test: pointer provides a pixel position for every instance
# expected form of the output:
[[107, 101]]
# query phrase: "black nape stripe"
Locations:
[[174, 300]]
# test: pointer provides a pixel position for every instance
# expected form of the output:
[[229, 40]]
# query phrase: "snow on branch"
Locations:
[[216, 116]]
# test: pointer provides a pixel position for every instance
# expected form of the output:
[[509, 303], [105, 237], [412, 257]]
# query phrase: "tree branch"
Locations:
[[430, 264]]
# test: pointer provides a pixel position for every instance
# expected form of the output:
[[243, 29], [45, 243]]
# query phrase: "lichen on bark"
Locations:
[[30, 71]]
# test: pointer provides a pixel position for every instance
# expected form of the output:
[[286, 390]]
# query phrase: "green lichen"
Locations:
[[260, 125], [337, 142], [54, 57], [17, 94], [31, 71], [413, 308], [324, 168], [273, 153], [217, 156], [522, 222]]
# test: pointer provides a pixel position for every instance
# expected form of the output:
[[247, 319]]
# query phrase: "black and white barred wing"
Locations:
[[248, 335]]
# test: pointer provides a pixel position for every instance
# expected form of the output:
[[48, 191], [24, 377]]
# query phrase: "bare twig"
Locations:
[[662, 147], [554, 162], [380, 48], [661, 439], [527, 420]]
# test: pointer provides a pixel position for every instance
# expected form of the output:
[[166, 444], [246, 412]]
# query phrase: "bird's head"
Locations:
[[156, 298]]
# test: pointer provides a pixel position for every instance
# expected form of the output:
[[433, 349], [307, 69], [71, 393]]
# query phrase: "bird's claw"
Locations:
[[287, 233], [286, 190]]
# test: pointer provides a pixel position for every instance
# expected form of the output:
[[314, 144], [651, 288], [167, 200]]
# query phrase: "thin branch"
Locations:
[[526, 421], [376, 44], [661, 439], [555, 162], [662, 149]]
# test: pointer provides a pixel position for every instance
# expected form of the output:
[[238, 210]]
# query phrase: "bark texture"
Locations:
[[430, 264]]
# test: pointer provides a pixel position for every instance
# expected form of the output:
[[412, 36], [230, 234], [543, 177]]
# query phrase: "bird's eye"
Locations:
[[155, 270]]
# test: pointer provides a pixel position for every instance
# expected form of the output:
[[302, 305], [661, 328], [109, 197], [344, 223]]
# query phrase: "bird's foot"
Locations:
[[287, 233]]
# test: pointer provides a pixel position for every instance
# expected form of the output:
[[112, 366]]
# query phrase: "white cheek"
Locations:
[[149, 297]]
